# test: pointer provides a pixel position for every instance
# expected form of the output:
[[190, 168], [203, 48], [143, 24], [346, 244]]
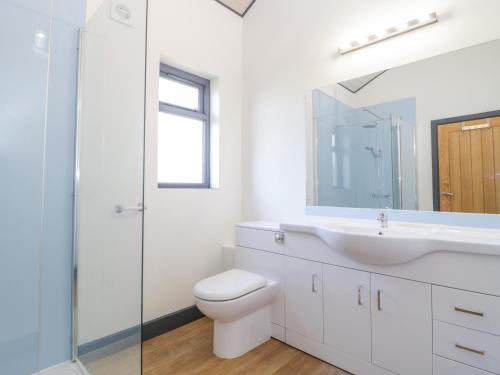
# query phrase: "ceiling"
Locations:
[[239, 7]]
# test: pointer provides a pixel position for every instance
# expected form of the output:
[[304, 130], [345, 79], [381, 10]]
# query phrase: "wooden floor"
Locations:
[[188, 350]]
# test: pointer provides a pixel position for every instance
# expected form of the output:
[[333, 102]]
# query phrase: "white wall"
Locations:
[[92, 6], [290, 48], [185, 228]]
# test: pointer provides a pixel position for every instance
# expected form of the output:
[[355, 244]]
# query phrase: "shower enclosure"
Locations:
[[363, 156], [39, 60], [71, 238], [109, 190]]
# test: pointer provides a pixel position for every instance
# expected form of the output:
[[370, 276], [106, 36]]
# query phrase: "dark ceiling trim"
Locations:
[[235, 12], [246, 11], [363, 86]]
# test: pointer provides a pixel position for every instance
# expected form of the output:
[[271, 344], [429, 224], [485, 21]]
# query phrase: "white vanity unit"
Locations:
[[427, 303]]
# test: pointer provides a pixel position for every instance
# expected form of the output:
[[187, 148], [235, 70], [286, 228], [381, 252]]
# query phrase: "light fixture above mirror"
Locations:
[[391, 32]]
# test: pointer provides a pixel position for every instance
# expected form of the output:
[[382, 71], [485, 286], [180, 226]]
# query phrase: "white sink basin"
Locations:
[[365, 242]]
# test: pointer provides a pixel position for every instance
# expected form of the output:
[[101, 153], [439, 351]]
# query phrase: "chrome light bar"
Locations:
[[391, 32]]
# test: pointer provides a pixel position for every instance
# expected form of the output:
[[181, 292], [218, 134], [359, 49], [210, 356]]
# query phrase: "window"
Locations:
[[183, 130]]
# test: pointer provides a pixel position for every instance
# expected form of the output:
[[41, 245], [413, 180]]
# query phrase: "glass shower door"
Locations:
[[109, 212]]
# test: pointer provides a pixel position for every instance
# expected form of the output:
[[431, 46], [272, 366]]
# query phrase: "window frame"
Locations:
[[203, 114]]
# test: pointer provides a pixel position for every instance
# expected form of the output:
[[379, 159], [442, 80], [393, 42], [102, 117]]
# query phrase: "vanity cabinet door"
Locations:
[[347, 311], [304, 298], [401, 325]]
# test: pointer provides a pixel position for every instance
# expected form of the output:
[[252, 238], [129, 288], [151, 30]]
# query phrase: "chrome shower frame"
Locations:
[[76, 185]]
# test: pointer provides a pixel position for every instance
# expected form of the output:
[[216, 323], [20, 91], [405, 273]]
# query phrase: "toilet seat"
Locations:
[[228, 285], [239, 302]]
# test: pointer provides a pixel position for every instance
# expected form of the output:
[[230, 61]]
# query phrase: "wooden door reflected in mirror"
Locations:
[[467, 157]]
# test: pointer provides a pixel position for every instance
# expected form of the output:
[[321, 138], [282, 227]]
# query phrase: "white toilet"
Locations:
[[240, 304]]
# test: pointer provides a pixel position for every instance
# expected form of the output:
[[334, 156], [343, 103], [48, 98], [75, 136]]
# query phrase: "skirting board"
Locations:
[[170, 322], [160, 326], [128, 337], [115, 342]]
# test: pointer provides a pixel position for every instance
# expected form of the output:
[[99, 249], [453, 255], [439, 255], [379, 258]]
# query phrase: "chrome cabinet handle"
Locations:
[[466, 348], [120, 208], [359, 296], [379, 306], [314, 276], [471, 312], [279, 237]]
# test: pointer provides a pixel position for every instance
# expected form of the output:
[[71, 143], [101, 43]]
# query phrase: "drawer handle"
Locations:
[[314, 289], [465, 311], [279, 237], [475, 351]]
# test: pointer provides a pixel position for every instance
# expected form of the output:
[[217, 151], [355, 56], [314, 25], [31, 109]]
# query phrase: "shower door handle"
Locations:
[[120, 208]]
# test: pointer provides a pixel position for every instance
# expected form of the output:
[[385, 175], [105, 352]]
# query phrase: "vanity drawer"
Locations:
[[260, 239], [466, 309], [444, 366], [467, 346]]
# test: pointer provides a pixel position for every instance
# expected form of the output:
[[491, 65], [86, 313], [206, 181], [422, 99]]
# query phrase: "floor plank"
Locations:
[[188, 350]]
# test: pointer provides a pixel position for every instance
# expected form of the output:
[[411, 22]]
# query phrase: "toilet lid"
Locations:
[[228, 285]]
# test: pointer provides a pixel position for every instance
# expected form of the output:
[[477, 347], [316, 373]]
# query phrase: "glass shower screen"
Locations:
[[109, 194]]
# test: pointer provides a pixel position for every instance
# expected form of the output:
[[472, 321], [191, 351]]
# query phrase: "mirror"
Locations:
[[423, 136]]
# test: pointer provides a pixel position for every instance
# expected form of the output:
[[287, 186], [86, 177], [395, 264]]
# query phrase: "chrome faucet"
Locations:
[[383, 219]]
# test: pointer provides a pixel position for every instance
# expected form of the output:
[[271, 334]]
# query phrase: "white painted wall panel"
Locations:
[[186, 228]]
